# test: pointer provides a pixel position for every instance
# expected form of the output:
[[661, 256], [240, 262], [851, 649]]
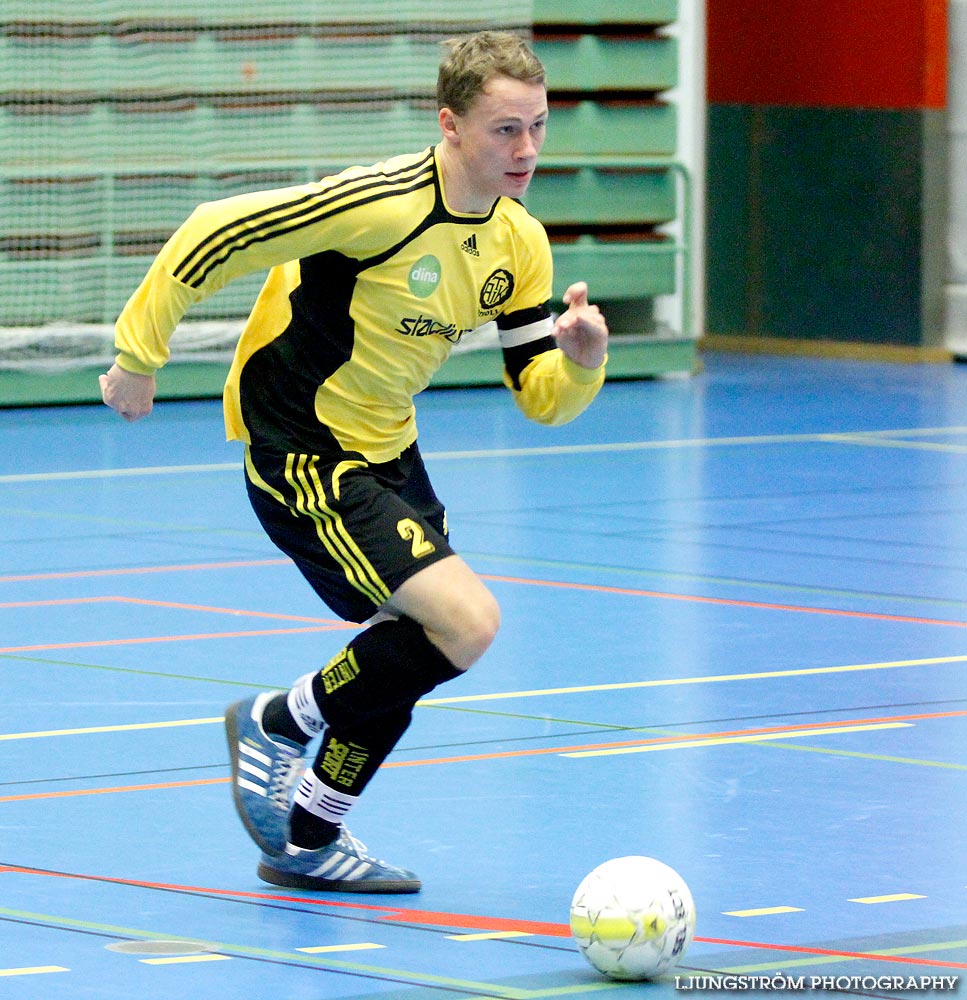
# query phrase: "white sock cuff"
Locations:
[[322, 801], [303, 708]]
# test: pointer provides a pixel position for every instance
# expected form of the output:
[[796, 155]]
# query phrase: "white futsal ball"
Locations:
[[633, 918]]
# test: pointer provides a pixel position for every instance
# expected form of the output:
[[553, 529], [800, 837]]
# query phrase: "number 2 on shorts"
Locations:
[[410, 530]]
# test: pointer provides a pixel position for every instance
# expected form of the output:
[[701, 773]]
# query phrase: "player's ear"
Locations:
[[449, 123]]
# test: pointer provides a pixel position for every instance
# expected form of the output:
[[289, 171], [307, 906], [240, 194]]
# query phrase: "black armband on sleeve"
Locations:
[[516, 359], [517, 356]]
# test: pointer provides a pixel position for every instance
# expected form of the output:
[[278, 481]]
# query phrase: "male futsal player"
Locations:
[[375, 273]]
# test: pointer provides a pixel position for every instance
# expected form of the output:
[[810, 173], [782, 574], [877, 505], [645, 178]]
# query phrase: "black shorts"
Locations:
[[356, 530]]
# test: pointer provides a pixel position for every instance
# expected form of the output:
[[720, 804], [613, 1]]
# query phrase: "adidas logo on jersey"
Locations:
[[469, 245]]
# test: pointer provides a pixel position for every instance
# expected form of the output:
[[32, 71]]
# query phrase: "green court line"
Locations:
[[866, 756], [46, 661], [917, 949], [408, 976]]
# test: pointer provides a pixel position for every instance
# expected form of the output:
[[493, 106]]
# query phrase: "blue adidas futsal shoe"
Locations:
[[265, 772], [342, 866]]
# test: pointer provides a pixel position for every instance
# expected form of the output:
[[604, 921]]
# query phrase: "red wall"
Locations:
[[828, 53]]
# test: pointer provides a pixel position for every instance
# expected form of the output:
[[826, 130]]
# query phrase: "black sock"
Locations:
[[389, 666], [277, 721], [345, 764], [310, 832]]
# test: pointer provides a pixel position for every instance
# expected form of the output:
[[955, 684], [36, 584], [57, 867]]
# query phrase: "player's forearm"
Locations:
[[147, 322]]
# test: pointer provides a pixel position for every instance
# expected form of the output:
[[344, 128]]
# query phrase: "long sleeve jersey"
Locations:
[[372, 280]]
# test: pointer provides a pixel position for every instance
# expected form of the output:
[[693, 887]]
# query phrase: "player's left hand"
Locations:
[[128, 394], [581, 331]]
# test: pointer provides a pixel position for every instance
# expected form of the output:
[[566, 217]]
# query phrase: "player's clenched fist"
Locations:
[[128, 394]]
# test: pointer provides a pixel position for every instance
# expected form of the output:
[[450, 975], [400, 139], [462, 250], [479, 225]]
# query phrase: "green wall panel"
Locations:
[[816, 223]]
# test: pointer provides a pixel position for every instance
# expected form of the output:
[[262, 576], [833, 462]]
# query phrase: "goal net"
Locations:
[[118, 117]]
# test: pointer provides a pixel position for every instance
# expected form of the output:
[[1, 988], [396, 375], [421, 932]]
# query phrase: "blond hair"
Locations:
[[474, 59]]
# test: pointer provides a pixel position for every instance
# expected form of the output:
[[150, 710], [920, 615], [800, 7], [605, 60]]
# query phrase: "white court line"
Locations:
[[875, 438], [148, 470]]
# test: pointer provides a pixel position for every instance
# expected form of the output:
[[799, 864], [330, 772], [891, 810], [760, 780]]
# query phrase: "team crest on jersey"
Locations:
[[496, 290]]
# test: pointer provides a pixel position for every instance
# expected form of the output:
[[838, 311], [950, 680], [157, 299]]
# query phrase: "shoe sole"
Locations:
[[291, 880], [231, 734]]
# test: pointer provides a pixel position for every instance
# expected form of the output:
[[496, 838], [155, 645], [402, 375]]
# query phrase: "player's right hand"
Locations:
[[128, 394]]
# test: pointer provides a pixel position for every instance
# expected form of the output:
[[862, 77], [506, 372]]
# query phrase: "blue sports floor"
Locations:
[[735, 639]]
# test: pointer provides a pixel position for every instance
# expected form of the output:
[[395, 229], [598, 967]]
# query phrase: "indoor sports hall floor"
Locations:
[[735, 639]]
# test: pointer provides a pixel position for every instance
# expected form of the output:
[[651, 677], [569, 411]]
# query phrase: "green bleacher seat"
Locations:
[[602, 195], [615, 269], [590, 62], [605, 11], [632, 128]]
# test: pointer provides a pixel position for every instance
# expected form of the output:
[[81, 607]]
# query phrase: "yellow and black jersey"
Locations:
[[373, 280]]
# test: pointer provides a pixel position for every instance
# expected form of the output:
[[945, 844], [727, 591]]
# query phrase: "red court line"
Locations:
[[324, 624], [110, 791], [390, 913], [138, 570], [503, 754], [178, 605], [43, 647], [522, 581], [437, 918], [695, 599]]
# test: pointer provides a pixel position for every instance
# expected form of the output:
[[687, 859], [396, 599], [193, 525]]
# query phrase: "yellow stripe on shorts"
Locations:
[[302, 475]]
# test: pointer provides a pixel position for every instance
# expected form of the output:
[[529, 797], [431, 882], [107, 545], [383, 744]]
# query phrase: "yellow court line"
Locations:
[[765, 911], [129, 727], [714, 679], [896, 897], [35, 971], [488, 936], [723, 740]]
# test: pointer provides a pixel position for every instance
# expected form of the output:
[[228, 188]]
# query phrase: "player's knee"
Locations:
[[478, 629], [458, 613], [469, 630]]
